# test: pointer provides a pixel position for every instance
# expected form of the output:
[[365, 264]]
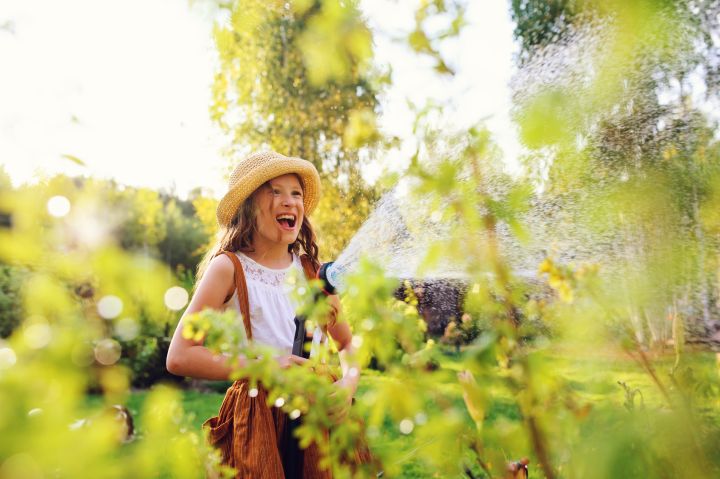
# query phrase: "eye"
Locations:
[[298, 194], [275, 191]]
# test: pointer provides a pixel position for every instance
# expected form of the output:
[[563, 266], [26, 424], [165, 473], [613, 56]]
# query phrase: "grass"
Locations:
[[592, 379]]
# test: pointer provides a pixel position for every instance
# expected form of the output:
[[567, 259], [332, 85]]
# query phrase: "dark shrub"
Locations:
[[10, 300]]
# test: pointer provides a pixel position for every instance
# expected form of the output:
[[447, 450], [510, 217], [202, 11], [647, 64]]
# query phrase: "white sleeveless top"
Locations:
[[272, 308]]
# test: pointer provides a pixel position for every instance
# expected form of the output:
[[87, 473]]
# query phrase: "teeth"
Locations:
[[286, 217]]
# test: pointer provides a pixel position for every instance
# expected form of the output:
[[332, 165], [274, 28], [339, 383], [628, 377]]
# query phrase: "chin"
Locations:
[[288, 237]]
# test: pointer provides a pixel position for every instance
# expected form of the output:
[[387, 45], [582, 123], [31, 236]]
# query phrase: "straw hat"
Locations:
[[258, 168]]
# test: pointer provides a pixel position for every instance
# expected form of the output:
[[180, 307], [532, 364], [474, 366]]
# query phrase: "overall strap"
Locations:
[[242, 292]]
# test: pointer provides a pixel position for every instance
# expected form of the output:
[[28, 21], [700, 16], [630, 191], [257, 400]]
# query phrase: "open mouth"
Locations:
[[286, 221]]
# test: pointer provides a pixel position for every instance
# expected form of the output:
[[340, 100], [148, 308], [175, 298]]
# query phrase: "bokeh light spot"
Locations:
[[21, 465], [280, 402], [7, 357], [58, 206], [82, 355], [127, 329], [406, 426], [420, 418], [294, 414], [109, 307], [253, 392], [37, 335], [107, 351], [176, 298]]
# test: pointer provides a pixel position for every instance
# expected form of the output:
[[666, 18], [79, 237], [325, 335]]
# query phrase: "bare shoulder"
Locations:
[[221, 265], [217, 281]]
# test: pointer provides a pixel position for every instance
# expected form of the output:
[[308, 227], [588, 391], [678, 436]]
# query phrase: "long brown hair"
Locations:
[[238, 236]]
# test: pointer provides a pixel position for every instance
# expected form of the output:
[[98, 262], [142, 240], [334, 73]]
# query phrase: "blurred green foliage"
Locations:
[[138, 221], [79, 286], [567, 377]]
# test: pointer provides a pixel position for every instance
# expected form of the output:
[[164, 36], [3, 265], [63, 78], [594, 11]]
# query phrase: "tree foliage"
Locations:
[[297, 77], [607, 99]]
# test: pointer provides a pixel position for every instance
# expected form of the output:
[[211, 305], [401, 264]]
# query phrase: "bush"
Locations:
[[10, 301], [145, 356]]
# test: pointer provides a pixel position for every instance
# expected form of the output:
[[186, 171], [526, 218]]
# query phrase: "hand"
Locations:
[[344, 391], [289, 360]]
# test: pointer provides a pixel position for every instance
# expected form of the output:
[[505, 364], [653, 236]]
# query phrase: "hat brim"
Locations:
[[251, 176]]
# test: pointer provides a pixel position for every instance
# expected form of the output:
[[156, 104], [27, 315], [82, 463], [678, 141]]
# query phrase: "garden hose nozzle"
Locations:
[[326, 274]]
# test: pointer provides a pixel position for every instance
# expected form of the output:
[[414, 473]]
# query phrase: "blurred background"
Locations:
[[524, 194]]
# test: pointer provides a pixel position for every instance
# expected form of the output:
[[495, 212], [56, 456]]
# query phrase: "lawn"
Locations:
[[594, 379]]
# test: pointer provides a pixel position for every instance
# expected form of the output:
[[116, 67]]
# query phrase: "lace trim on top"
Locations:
[[257, 272]]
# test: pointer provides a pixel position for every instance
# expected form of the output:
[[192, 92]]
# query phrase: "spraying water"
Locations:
[[398, 235], [403, 227]]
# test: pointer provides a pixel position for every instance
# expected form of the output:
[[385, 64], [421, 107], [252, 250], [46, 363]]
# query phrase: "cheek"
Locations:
[[262, 217], [265, 218]]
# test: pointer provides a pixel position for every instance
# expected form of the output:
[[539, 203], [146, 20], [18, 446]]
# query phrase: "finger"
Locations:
[[339, 416], [297, 360]]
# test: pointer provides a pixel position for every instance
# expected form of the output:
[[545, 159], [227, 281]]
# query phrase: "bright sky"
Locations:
[[125, 87]]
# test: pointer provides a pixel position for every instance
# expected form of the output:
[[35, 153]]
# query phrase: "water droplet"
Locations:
[[253, 392], [37, 335], [58, 206], [7, 357], [78, 424], [357, 341], [295, 414], [406, 426], [107, 351], [176, 298], [279, 402], [109, 307]]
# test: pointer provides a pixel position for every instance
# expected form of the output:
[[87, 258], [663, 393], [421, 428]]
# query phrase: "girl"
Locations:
[[264, 228]]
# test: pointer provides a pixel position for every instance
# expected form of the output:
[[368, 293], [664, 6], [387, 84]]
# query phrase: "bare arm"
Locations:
[[190, 358], [341, 334]]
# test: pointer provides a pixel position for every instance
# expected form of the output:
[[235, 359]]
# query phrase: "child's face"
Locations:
[[280, 210]]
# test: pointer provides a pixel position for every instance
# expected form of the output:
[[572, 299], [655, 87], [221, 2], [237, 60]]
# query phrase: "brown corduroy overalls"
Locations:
[[252, 437]]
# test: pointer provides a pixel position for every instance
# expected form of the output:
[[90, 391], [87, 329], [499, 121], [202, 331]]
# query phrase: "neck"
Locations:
[[272, 255]]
